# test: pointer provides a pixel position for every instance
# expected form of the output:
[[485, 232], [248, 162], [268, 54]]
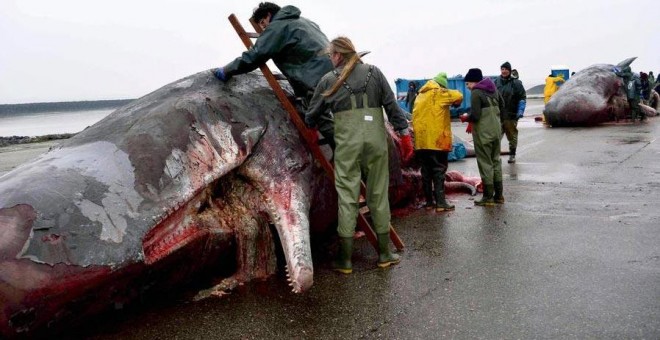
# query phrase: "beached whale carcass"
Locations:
[[592, 96], [191, 178], [187, 178]]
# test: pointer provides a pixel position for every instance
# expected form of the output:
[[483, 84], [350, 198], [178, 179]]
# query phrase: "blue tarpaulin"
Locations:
[[458, 152]]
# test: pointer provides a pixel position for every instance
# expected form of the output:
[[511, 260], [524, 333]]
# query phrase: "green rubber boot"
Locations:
[[499, 193], [487, 199], [342, 262], [385, 256]]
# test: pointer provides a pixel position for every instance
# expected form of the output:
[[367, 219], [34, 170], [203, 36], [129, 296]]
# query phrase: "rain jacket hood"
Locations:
[[429, 86], [295, 44], [287, 12], [486, 85]]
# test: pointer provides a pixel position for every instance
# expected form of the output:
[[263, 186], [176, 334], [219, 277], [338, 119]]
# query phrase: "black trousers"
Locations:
[[434, 167]]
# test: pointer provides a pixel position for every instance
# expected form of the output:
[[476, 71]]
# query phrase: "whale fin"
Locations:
[[626, 62]]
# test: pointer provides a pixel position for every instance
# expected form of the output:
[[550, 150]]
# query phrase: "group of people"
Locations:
[[640, 89], [344, 99], [496, 108], [649, 89]]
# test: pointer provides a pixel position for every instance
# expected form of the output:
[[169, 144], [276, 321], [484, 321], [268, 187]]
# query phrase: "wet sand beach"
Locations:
[[14, 155], [573, 253]]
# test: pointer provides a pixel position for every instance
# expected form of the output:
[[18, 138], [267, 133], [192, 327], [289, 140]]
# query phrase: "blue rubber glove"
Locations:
[[220, 74], [521, 109]]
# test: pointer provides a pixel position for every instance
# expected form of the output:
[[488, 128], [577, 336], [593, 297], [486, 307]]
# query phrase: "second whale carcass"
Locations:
[[592, 96]]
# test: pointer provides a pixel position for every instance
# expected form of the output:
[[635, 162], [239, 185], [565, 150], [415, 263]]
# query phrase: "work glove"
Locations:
[[469, 128], [521, 109], [220, 74], [406, 148], [463, 117]]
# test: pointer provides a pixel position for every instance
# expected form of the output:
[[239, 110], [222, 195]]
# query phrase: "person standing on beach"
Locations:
[[411, 95], [433, 138], [357, 93], [486, 104], [515, 99], [633, 89], [551, 86]]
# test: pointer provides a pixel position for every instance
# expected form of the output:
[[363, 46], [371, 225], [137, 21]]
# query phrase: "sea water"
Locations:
[[47, 123]]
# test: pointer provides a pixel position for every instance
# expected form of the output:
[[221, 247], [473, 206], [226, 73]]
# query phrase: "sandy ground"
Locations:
[[15, 155], [572, 254]]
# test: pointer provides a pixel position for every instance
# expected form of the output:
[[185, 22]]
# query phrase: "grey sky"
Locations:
[[95, 49]]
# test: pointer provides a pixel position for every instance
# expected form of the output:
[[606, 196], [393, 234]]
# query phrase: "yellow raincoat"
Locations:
[[551, 86], [431, 119]]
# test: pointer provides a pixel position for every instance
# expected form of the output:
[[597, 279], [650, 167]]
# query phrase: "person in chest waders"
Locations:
[[486, 106], [357, 93]]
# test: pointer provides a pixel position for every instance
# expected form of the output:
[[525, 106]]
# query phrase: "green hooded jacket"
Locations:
[[296, 46]]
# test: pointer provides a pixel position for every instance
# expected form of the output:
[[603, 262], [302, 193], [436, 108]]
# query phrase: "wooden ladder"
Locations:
[[309, 135]]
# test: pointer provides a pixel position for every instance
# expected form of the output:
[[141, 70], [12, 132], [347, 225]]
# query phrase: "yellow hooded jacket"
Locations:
[[431, 119], [551, 86]]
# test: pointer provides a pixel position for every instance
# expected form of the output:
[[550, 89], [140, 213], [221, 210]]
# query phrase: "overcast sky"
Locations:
[[67, 50]]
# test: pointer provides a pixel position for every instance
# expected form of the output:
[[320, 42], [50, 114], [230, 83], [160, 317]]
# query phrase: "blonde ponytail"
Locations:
[[343, 46]]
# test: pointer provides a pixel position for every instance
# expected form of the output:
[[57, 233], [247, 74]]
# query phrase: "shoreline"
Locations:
[[13, 140], [13, 156]]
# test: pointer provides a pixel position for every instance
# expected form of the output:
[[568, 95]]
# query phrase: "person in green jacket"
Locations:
[[357, 93], [486, 104], [633, 89], [433, 138], [296, 46], [515, 99]]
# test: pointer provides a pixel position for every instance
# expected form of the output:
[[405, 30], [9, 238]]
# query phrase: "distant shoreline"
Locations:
[[12, 140], [17, 109]]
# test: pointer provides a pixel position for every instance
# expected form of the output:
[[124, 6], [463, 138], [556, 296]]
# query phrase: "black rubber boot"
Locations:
[[499, 193], [487, 199], [441, 203], [512, 155], [385, 256], [343, 263]]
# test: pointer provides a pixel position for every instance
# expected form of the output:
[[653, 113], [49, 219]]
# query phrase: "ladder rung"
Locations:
[[252, 35]]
